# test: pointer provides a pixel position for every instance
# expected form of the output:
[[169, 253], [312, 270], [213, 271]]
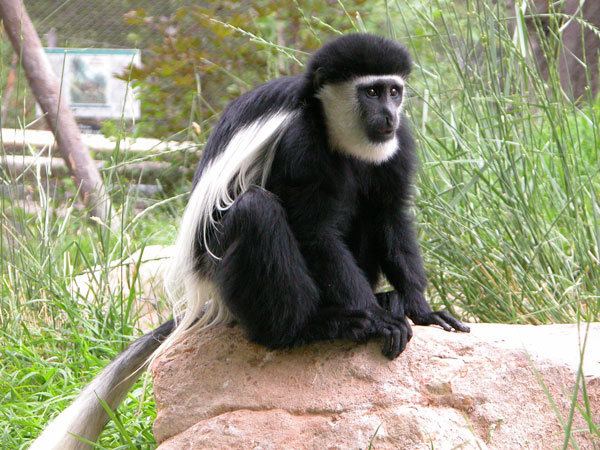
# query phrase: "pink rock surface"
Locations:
[[487, 389]]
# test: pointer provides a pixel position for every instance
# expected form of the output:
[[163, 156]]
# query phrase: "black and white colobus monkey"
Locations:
[[299, 204]]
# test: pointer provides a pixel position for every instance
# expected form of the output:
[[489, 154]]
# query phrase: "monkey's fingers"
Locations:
[[409, 331], [403, 338], [397, 343], [406, 333], [454, 323], [437, 320], [386, 348], [447, 322]]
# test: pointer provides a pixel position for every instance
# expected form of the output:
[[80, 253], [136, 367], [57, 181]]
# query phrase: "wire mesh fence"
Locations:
[[102, 24]]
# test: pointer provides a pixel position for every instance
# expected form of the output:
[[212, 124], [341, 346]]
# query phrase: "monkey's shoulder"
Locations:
[[303, 154], [280, 94]]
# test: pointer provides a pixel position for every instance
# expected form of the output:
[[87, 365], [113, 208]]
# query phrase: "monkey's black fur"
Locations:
[[356, 55], [300, 257]]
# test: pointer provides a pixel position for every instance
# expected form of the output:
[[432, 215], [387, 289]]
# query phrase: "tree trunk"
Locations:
[[581, 47], [46, 89], [146, 170], [577, 60]]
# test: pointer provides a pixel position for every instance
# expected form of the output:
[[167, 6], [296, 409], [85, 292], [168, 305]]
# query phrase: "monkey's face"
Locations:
[[362, 115], [379, 103]]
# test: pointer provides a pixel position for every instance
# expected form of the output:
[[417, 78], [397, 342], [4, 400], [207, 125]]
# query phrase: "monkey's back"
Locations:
[[281, 94]]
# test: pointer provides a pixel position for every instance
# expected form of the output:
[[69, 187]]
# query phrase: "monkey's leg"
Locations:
[[345, 275], [402, 264], [262, 276], [364, 250], [264, 281]]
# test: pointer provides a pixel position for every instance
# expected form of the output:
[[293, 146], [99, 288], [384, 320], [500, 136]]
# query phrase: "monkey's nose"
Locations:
[[388, 121]]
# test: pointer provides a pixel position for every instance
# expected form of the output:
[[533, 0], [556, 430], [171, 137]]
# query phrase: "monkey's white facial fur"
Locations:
[[362, 115]]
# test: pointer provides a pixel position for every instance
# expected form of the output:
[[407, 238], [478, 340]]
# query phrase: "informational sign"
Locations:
[[89, 81]]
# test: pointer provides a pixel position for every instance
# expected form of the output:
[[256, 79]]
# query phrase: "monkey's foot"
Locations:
[[395, 331]]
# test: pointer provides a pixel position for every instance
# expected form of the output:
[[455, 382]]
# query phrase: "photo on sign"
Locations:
[[90, 84]]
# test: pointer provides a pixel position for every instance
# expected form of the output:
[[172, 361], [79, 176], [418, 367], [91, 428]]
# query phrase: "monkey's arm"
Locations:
[[313, 206], [340, 280], [347, 304], [403, 266], [347, 298]]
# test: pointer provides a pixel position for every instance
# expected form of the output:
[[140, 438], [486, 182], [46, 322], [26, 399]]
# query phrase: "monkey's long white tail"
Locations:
[[245, 161], [85, 417]]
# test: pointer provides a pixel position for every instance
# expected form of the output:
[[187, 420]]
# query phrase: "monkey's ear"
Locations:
[[318, 78]]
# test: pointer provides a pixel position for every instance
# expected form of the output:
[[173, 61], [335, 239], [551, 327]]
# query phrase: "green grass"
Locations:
[[510, 175], [507, 207], [53, 341]]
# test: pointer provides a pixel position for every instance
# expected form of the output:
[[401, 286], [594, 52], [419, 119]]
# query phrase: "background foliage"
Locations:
[[210, 54]]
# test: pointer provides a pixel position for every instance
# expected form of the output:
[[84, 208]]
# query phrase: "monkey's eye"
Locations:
[[371, 92], [394, 92]]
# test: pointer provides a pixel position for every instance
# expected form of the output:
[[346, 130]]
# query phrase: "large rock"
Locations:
[[487, 389]]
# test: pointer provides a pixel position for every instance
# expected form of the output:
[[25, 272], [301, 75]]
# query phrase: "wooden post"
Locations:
[[46, 89], [9, 88]]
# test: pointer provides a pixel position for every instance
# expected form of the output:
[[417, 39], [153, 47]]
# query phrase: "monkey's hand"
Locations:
[[442, 318], [419, 312], [359, 326], [395, 338]]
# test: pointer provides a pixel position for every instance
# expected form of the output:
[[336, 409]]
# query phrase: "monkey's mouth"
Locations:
[[381, 133], [384, 133]]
